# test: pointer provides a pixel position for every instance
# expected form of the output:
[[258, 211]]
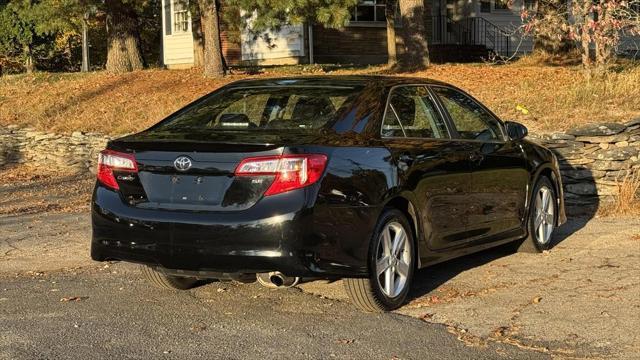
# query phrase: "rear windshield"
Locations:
[[268, 107]]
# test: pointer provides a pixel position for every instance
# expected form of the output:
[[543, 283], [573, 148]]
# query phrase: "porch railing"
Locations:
[[470, 31]]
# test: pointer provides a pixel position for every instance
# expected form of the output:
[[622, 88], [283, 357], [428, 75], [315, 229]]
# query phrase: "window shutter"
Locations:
[[167, 16]]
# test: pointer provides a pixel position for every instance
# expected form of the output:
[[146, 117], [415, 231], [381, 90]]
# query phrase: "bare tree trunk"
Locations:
[[604, 50], [585, 39], [586, 49], [390, 14], [28, 59], [123, 50], [198, 40], [213, 62], [414, 36]]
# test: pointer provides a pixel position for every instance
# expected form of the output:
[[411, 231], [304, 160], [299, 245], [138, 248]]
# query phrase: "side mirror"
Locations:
[[516, 131]]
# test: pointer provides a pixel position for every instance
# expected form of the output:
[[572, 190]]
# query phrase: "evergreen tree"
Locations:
[[272, 14], [26, 30]]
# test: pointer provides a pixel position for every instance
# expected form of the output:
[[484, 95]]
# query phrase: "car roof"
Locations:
[[336, 80]]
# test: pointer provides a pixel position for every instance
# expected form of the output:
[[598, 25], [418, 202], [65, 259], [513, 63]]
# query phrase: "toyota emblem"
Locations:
[[182, 163]]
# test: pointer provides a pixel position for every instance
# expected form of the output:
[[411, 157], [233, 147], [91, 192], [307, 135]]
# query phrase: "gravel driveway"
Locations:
[[580, 300]]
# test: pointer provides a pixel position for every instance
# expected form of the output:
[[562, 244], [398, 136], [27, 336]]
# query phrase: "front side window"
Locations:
[[470, 119], [501, 4], [180, 16], [369, 11], [411, 112], [485, 6], [531, 5], [277, 108]]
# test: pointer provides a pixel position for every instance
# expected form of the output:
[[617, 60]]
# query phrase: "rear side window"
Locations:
[[411, 112], [266, 107], [470, 119]]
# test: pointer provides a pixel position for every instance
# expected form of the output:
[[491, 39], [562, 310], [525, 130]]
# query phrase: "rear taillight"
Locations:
[[291, 171], [110, 161]]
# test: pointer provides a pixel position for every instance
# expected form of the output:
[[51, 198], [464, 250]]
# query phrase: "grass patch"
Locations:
[[556, 98], [627, 202]]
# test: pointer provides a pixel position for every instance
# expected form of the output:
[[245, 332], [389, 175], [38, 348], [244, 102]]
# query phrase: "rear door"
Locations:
[[499, 177], [432, 166]]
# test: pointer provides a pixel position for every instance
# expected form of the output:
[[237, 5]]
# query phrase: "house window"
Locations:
[[180, 16], [501, 4], [530, 4], [369, 11], [485, 6]]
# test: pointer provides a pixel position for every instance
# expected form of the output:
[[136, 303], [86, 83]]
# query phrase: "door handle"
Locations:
[[405, 161], [406, 158]]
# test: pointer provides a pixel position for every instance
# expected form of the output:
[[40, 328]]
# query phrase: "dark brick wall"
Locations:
[[358, 45]]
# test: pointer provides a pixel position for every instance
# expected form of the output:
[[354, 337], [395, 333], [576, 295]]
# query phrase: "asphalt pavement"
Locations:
[[111, 312]]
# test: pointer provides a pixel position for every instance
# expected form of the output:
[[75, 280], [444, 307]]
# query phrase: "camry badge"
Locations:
[[182, 163]]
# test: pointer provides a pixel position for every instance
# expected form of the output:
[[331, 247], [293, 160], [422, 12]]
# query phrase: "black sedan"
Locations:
[[358, 177]]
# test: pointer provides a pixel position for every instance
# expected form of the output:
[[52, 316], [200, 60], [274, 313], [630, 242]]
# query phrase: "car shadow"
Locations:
[[581, 208], [431, 278]]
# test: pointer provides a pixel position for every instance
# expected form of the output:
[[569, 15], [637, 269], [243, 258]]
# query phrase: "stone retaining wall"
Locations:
[[594, 159], [75, 153]]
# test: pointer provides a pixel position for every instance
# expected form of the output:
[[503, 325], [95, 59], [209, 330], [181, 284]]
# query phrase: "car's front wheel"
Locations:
[[391, 265], [542, 217], [167, 281]]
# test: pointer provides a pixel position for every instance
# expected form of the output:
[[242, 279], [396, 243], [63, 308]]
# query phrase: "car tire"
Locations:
[[167, 281], [543, 215], [372, 294]]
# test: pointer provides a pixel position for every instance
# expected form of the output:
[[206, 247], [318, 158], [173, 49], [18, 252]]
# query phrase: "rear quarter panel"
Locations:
[[350, 198]]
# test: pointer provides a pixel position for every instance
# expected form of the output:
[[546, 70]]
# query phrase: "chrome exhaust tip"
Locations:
[[276, 280]]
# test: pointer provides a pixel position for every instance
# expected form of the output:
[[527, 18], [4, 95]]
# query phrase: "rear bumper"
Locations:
[[280, 233]]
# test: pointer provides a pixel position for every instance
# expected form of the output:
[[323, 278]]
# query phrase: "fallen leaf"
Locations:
[[199, 327], [345, 341], [73, 298], [501, 331]]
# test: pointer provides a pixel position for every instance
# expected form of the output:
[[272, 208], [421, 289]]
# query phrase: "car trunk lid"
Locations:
[[190, 172]]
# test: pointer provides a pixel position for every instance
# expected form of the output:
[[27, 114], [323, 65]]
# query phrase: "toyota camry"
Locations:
[[364, 178]]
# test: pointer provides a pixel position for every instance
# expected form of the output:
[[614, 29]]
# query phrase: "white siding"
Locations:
[[288, 42], [509, 21], [178, 49], [630, 44]]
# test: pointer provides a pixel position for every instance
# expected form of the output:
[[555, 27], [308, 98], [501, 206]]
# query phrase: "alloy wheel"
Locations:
[[393, 259], [544, 215]]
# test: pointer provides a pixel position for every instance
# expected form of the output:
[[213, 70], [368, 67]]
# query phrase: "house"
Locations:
[[286, 46], [458, 30]]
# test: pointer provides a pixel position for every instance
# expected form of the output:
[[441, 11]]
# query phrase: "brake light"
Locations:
[[291, 171], [110, 160]]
